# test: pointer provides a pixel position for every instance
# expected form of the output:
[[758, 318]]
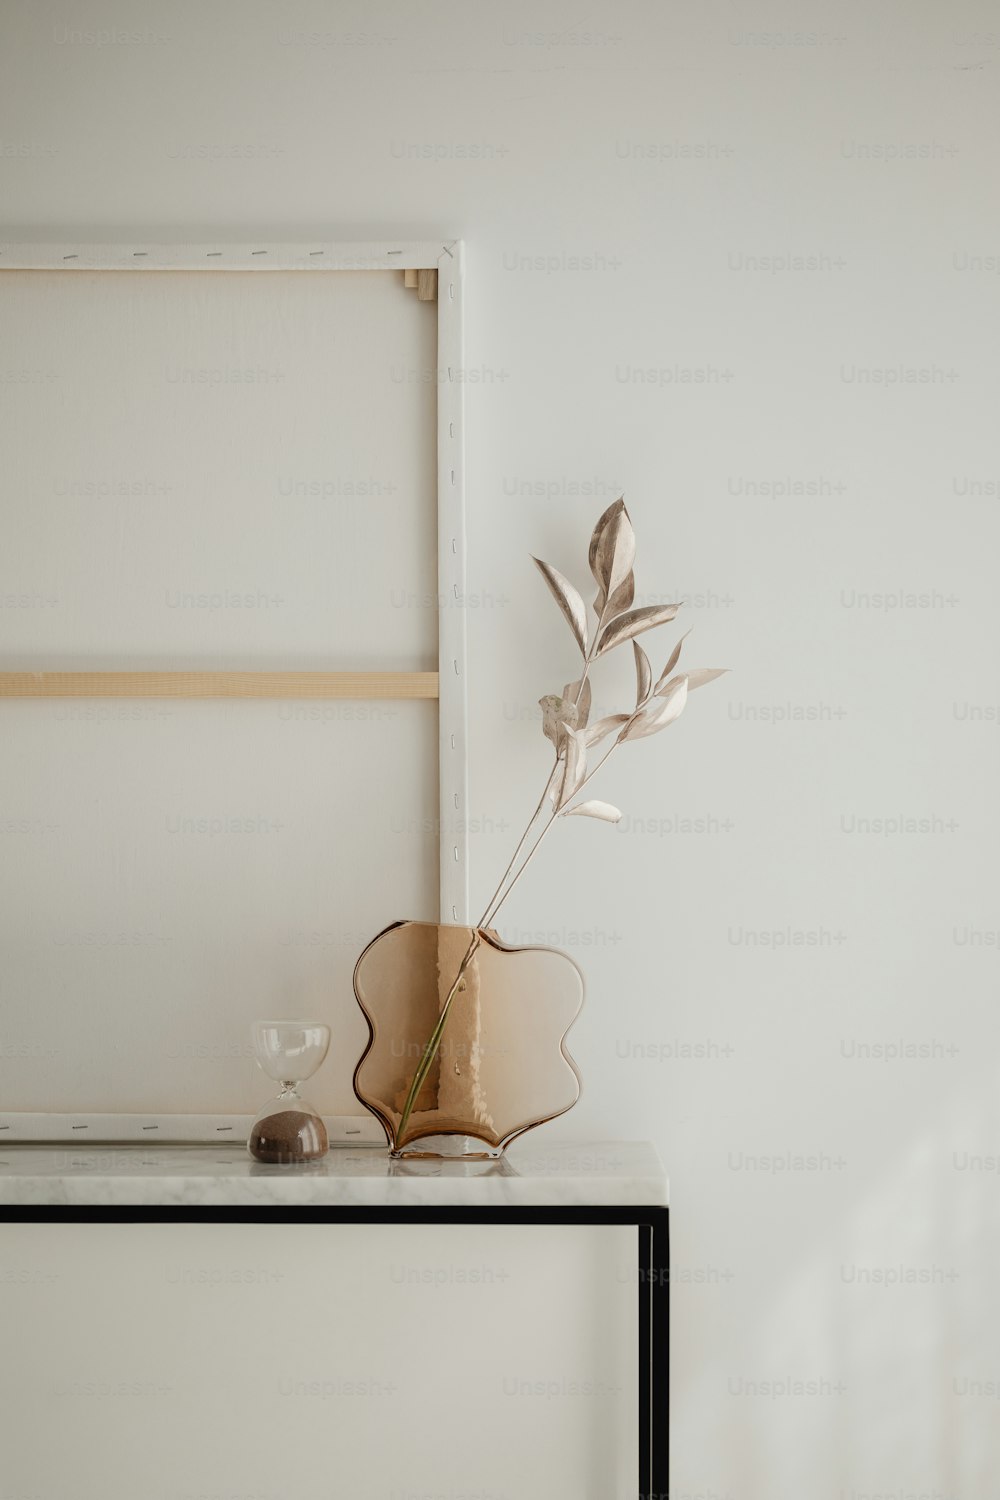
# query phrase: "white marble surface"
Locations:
[[603, 1173]]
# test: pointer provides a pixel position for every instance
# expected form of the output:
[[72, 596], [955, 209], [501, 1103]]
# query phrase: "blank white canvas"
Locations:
[[260, 440], [319, 1362], [208, 470]]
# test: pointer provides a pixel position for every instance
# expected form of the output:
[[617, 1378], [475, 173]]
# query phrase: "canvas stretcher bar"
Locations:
[[352, 685]]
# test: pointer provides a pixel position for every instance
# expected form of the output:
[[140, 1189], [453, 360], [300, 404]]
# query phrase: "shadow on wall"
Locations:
[[879, 1347]]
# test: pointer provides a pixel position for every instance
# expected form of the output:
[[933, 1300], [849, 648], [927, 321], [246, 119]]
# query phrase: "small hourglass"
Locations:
[[288, 1129]]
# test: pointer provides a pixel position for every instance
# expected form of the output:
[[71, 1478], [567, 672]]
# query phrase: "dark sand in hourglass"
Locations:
[[288, 1137]]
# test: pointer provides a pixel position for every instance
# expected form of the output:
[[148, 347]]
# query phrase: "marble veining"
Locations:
[[591, 1174]]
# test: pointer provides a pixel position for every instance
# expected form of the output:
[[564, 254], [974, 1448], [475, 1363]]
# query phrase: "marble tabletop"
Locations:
[[590, 1174]]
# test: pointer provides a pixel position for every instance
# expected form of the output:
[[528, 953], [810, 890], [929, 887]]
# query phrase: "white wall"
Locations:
[[652, 152]]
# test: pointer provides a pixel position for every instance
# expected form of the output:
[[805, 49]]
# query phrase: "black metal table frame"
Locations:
[[653, 1268]]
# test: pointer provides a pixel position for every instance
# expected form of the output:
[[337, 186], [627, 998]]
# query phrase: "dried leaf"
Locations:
[[620, 600], [695, 679], [616, 552], [571, 691], [643, 674], [602, 810], [612, 553], [601, 728], [675, 657], [634, 622], [701, 675], [661, 712], [568, 600], [575, 768], [598, 535], [556, 712]]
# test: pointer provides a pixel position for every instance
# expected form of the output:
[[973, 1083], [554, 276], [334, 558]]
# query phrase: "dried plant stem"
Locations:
[[498, 899], [495, 905], [521, 843], [524, 865], [588, 659]]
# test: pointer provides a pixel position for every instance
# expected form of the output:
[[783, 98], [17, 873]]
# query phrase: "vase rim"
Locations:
[[491, 935]]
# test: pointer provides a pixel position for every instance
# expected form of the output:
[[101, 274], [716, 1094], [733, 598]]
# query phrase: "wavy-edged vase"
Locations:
[[501, 1067]]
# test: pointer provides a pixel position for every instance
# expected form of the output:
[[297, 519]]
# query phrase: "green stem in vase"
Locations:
[[430, 1051]]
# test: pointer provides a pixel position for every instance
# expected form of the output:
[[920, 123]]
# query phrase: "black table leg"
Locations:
[[654, 1354]]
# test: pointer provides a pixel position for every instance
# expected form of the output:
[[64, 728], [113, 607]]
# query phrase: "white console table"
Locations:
[[537, 1184]]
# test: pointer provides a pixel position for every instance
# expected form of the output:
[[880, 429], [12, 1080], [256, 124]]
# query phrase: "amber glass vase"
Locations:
[[494, 1066]]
